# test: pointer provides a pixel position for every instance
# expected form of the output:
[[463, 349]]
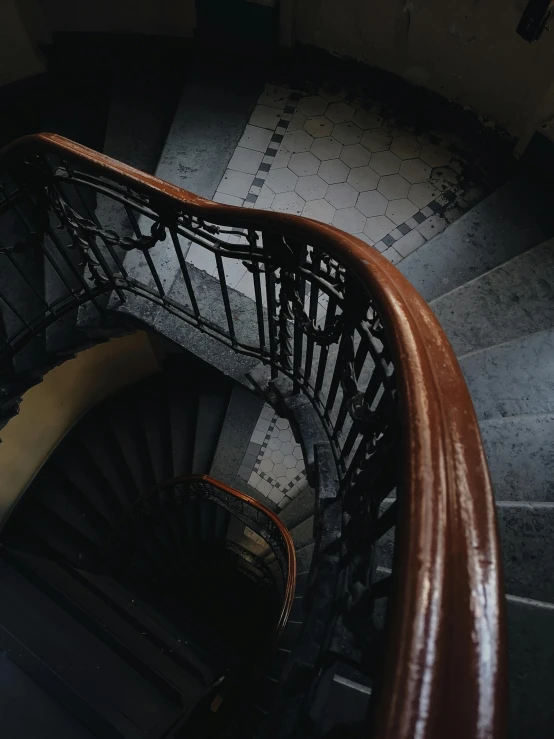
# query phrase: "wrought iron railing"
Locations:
[[154, 524], [323, 310]]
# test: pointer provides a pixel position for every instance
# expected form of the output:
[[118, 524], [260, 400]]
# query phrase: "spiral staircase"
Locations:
[[145, 595]]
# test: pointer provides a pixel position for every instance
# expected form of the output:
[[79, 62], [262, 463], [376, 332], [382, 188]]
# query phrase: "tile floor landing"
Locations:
[[331, 159]]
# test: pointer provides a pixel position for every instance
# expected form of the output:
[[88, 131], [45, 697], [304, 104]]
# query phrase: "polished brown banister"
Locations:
[[445, 668], [265, 523]]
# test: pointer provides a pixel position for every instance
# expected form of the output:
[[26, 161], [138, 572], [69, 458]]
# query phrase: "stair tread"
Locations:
[[243, 412], [47, 719], [512, 379], [117, 691], [513, 219], [531, 656], [513, 300], [212, 406], [527, 536], [519, 453]]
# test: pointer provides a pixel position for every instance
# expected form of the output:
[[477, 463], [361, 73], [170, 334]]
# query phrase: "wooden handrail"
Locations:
[[290, 585], [445, 669]]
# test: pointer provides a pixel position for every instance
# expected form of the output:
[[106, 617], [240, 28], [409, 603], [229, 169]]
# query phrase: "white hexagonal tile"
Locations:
[[376, 140], [311, 187], [282, 423], [297, 141], [326, 148], [297, 121], [340, 112], [297, 451], [385, 162], [342, 195], [277, 454], [274, 443], [349, 220], [318, 126], [347, 133], [319, 210], [435, 156], [304, 164], [266, 465], [333, 171], [289, 461], [363, 178], [355, 155], [285, 434], [312, 105], [393, 186], [287, 448], [422, 194], [281, 180], [415, 170], [365, 119], [400, 210], [288, 202], [279, 470], [405, 147], [378, 227], [372, 203]]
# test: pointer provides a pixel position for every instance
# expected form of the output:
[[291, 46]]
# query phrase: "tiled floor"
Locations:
[[331, 159], [273, 463]]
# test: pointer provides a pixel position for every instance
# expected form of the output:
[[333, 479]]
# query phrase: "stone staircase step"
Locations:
[[527, 536], [512, 379], [531, 659], [515, 218], [520, 457], [508, 302]]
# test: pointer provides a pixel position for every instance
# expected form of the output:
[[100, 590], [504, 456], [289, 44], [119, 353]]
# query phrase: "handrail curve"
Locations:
[[445, 672]]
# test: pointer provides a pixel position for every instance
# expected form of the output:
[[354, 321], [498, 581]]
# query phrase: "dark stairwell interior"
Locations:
[[138, 611]]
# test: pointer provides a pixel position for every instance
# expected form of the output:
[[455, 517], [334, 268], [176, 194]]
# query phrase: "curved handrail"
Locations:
[[290, 584], [445, 672]]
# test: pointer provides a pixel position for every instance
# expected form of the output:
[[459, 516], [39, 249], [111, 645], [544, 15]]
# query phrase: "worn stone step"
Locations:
[[512, 379], [512, 220], [508, 302], [527, 538], [531, 665], [520, 457]]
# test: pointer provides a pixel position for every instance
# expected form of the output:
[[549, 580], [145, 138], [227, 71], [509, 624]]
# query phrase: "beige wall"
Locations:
[[19, 57], [50, 409], [164, 17], [466, 50]]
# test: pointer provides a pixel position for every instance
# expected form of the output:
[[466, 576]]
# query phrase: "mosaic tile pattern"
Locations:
[[331, 159], [273, 463]]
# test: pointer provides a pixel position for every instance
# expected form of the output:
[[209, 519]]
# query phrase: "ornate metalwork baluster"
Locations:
[[185, 272], [314, 293], [286, 319], [268, 241], [225, 296]]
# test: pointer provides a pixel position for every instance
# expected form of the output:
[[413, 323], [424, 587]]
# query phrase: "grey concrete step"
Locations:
[[520, 456], [242, 415], [512, 220], [531, 666], [527, 537], [512, 379], [510, 301], [301, 508]]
